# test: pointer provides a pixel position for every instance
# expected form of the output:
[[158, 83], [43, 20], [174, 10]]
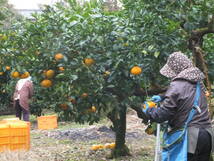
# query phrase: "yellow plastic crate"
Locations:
[[14, 135], [4, 137], [19, 136], [11, 119], [47, 122], [16, 119]]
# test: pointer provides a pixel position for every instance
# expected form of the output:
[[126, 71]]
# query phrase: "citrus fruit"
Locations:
[[89, 61], [150, 104], [61, 68], [58, 56], [93, 109], [15, 74], [149, 130], [136, 70], [7, 68], [24, 75], [50, 73], [46, 83], [84, 95]]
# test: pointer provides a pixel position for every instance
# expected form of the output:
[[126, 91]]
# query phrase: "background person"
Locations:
[[23, 92]]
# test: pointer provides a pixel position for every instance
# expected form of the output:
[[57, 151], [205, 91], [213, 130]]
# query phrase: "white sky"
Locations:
[[29, 4]]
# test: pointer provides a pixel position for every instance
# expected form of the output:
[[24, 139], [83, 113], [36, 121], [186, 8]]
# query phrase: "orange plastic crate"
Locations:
[[14, 135], [47, 122]]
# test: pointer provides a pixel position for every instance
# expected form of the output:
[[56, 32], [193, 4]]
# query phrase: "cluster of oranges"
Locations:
[[20, 75], [49, 74], [16, 74], [7, 68], [106, 146], [136, 70]]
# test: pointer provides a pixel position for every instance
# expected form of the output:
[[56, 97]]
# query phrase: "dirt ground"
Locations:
[[72, 142]]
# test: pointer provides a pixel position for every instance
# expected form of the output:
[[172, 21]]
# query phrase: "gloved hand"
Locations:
[[156, 98]]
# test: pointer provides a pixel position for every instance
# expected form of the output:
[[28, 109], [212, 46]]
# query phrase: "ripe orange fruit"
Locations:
[[149, 130], [24, 75], [58, 56], [7, 68], [100, 146], [136, 70], [112, 145], [107, 146], [63, 106], [84, 95], [46, 83], [89, 61], [61, 68], [15, 74], [50, 73], [1, 73], [95, 147], [93, 109], [150, 104]]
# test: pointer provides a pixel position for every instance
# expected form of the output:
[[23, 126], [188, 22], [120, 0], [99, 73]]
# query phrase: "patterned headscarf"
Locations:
[[179, 66]]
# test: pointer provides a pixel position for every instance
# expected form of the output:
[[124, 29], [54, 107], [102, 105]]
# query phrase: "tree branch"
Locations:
[[151, 91]]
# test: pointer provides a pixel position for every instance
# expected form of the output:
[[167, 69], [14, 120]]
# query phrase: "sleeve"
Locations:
[[168, 108], [203, 87], [30, 87]]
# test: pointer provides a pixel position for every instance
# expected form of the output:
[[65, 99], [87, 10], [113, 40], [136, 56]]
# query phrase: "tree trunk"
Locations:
[[195, 44], [119, 122]]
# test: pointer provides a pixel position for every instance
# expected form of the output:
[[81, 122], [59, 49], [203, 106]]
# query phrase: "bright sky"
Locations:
[[29, 4]]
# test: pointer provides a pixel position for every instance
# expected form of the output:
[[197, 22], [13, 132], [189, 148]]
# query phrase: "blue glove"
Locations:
[[145, 107], [156, 98]]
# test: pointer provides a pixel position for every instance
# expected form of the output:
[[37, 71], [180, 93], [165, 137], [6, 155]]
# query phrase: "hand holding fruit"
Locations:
[[148, 104]]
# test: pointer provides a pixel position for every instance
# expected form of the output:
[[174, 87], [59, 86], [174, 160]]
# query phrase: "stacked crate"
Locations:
[[14, 135]]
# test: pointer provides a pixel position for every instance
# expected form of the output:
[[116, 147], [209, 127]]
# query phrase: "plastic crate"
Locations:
[[14, 135], [11, 119], [47, 122], [4, 136], [19, 136]]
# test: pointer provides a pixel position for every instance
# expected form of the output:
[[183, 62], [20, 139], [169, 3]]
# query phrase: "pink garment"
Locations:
[[25, 93]]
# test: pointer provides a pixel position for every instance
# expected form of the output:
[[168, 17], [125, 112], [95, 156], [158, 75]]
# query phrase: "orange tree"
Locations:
[[87, 62]]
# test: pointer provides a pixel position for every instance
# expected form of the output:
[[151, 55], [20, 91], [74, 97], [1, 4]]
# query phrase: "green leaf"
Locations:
[[156, 54]]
